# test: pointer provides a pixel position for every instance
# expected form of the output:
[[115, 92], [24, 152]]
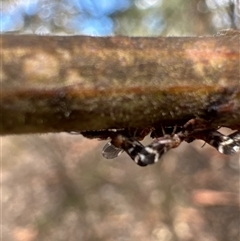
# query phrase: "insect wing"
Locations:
[[110, 151], [148, 156], [235, 136], [133, 148], [235, 146], [228, 145], [154, 151]]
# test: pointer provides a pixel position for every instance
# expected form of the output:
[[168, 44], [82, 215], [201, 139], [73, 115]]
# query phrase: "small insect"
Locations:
[[153, 152], [121, 143], [128, 140], [225, 144], [145, 155], [142, 155]]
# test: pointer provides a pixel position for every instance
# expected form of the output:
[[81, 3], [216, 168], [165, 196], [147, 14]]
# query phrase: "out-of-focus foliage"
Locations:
[[125, 17], [59, 187]]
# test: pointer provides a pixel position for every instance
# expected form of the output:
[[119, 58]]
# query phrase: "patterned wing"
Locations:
[[134, 148], [153, 152], [228, 145], [234, 144], [122, 143]]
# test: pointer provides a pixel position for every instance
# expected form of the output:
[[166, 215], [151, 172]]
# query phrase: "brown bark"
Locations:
[[75, 83]]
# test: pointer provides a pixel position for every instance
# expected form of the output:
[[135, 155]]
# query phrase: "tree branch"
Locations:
[[76, 83]]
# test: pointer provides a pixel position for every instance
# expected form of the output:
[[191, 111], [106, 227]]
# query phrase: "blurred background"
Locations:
[[59, 187], [124, 17]]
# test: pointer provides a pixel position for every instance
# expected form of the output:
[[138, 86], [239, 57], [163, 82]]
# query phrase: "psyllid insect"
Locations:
[[149, 154], [122, 143], [225, 144], [165, 139]]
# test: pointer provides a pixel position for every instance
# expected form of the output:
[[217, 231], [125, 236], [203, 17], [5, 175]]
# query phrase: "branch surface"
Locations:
[[76, 83]]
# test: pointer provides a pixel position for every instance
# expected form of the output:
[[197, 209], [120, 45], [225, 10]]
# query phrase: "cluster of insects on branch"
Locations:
[[164, 139]]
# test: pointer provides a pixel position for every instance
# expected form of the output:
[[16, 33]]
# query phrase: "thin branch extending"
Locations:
[[75, 83]]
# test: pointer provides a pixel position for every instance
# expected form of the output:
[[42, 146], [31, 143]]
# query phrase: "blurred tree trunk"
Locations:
[[76, 83]]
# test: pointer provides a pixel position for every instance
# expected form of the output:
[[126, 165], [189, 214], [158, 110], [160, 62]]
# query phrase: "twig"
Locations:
[[75, 83]]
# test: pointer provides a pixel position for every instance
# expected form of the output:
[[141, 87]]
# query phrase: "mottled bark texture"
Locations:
[[76, 83]]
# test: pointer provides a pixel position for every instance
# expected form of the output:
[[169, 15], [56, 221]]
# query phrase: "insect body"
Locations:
[[122, 143], [153, 152], [142, 155], [198, 129], [225, 144], [145, 155], [128, 140]]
